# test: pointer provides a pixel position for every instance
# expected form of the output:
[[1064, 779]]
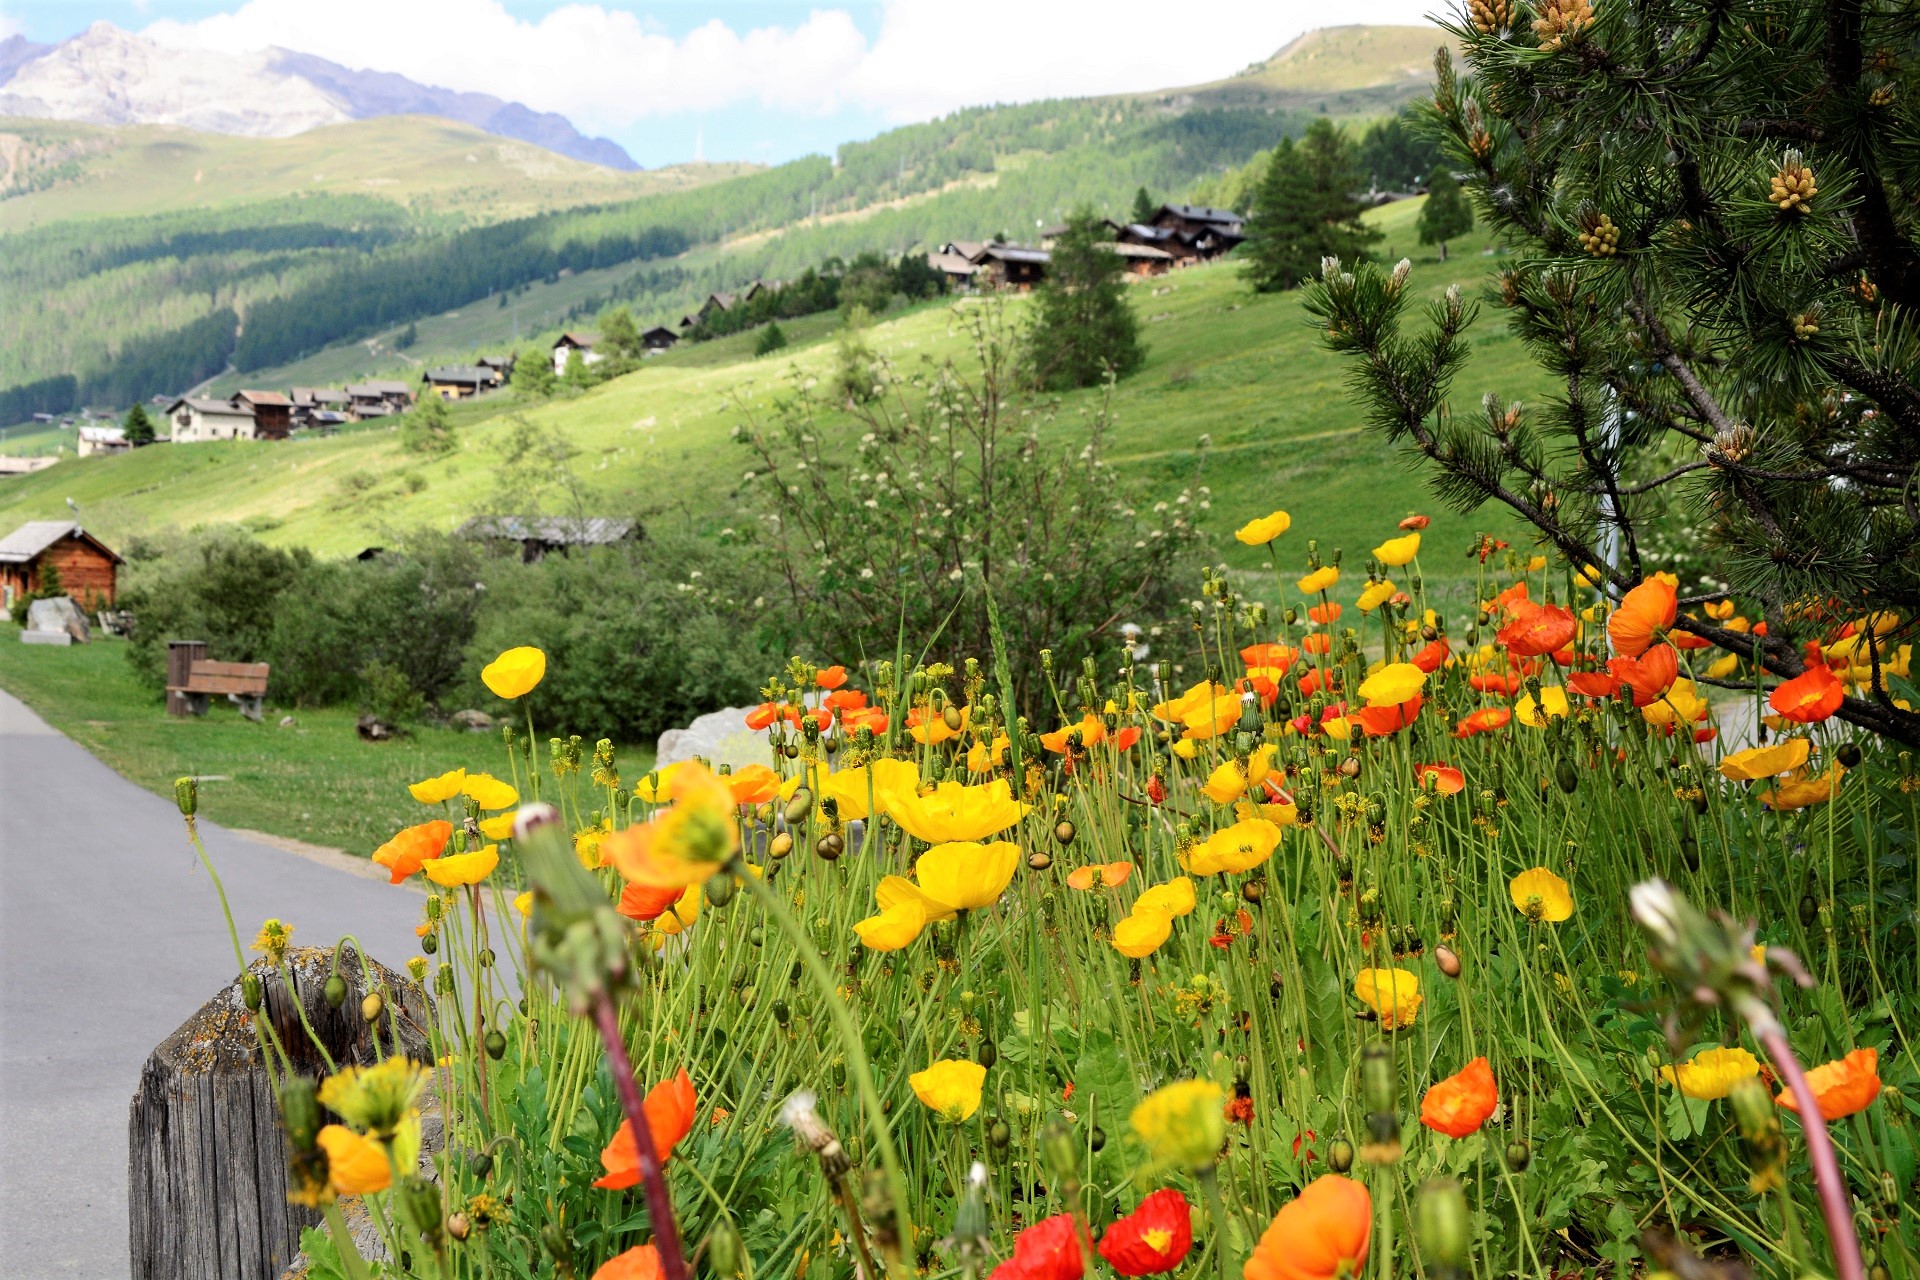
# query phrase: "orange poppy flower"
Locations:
[[1687, 640], [1647, 609], [1326, 614], [1485, 720], [1512, 598], [1445, 779], [1649, 675], [1538, 629], [1433, 657], [1099, 874], [872, 718], [1317, 681], [1808, 698], [1843, 1087], [1090, 732], [847, 700], [1414, 524], [1153, 1238], [1317, 643], [1381, 721], [411, 849], [1268, 655], [645, 903], [1594, 684], [764, 715], [669, 1109], [1460, 1104], [1126, 737], [1319, 1235], [752, 785], [642, 1262], [831, 677], [1497, 682]]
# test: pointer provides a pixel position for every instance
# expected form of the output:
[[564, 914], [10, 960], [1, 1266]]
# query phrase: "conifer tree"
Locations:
[[1715, 217], [1143, 207], [1083, 325], [1305, 209], [1446, 215], [429, 428], [771, 339], [619, 334], [138, 427]]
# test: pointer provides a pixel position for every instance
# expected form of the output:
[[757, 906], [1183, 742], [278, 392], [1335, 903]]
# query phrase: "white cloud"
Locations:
[[10, 26], [608, 68]]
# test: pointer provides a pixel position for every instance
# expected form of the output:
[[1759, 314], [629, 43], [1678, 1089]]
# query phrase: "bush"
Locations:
[[771, 339], [220, 586]]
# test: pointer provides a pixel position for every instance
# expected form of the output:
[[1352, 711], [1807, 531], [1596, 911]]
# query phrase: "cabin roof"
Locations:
[[26, 543]]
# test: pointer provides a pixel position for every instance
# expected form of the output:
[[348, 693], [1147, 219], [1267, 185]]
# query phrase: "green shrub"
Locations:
[[219, 585]]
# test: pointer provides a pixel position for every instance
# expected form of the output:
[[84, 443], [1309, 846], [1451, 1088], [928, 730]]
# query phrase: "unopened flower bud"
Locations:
[[371, 1006], [186, 794], [300, 1111], [1519, 1155], [459, 1226], [1448, 961], [1443, 1225], [336, 991], [1340, 1155], [250, 992]]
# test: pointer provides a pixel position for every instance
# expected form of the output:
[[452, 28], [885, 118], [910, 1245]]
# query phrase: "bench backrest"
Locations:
[[228, 677]]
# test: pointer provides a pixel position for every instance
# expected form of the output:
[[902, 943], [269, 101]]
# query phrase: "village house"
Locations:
[[1208, 232], [569, 343], [658, 339], [461, 381], [1143, 259], [95, 441], [272, 413], [958, 269], [502, 365], [199, 419], [309, 403], [1012, 266], [87, 567], [378, 399], [539, 536]]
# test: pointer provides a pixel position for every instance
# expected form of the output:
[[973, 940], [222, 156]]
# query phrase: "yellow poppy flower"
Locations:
[[514, 673], [1186, 749], [440, 789], [1712, 1073], [967, 875], [1241, 847], [684, 911], [1321, 579], [1589, 574], [955, 812], [489, 792], [683, 844], [1375, 594], [1769, 761], [658, 785], [523, 903], [1174, 898], [1392, 684], [1536, 564], [1398, 551], [1230, 781], [981, 760], [1141, 933], [1796, 790], [458, 869], [1722, 667], [850, 789], [356, 1165], [950, 1088], [586, 844], [894, 927], [933, 728], [497, 828], [1538, 894], [1552, 705], [1393, 994], [378, 1097], [1680, 704], [1183, 1124], [1258, 533]]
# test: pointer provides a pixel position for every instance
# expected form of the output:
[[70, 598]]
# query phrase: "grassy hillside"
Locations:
[[1241, 369], [56, 171]]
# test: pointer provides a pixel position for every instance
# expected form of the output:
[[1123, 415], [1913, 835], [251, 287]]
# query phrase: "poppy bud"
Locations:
[[485, 958], [1340, 1155], [559, 1244], [781, 845], [1889, 1190], [1809, 911], [250, 992], [459, 1226], [719, 889], [1096, 1139], [791, 750], [998, 1135], [336, 991], [830, 846], [1377, 1083], [1064, 831], [952, 717], [1242, 1068], [300, 1111], [1441, 1221], [186, 794], [781, 1012], [1350, 767], [987, 1054], [371, 1006], [723, 1249], [1254, 890], [1566, 775], [1449, 962], [798, 807], [1519, 1155], [496, 1044], [481, 1164], [1848, 755], [417, 968], [429, 943], [1039, 861]]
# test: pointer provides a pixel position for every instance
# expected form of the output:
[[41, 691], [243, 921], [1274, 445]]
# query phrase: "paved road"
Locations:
[[110, 936]]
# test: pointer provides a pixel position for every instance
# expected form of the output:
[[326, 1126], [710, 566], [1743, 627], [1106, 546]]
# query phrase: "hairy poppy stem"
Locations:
[[1826, 1167], [666, 1233]]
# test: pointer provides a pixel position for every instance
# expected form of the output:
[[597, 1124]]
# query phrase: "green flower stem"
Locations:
[[849, 1038], [233, 934], [356, 1266], [1217, 1216]]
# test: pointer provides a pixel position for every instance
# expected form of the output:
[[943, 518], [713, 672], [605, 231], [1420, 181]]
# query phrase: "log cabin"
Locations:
[[88, 568]]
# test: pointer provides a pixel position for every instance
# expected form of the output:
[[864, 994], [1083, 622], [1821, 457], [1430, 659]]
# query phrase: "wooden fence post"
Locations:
[[206, 1155]]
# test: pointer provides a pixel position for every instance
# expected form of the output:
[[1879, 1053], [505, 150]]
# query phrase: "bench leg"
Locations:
[[251, 705], [196, 704]]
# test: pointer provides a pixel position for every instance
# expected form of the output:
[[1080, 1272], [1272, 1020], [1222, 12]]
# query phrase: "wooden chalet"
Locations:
[[1206, 232], [502, 365], [458, 382], [378, 399], [539, 536], [1012, 266], [96, 441], [198, 419], [88, 568], [1143, 259], [568, 343], [658, 339], [319, 406], [272, 413], [958, 269]]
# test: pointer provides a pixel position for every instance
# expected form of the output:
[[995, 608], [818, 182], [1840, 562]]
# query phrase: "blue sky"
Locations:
[[766, 81]]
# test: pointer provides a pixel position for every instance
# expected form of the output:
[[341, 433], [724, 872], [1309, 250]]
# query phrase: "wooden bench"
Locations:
[[192, 679]]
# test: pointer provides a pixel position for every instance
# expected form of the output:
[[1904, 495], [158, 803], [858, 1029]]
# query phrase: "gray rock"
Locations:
[[472, 721], [721, 737], [57, 614], [46, 637]]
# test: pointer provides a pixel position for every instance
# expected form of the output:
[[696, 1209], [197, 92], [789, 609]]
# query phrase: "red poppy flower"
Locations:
[[1566, 657], [669, 1108], [1433, 657], [1510, 599], [1047, 1250], [1446, 779], [1126, 737], [1593, 684], [1413, 524], [1381, 721], [1314, 681], [831, 677], [1460, 1104], [1647, 609], [1808, 698], [1153, 1238], [1266, 690], [764, 715], [1649, 675], [1537, 629], [866, 718], [1485, 720]]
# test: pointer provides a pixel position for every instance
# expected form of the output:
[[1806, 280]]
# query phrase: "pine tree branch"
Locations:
[[1891, 392], [1774, 654]]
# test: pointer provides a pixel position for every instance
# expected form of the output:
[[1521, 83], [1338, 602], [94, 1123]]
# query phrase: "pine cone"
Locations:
[[1600, 237], [1491, 17], [1792, 187], [1561, 22]]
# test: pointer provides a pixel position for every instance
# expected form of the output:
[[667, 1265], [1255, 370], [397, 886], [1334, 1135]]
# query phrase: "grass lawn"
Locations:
[[313, 780]]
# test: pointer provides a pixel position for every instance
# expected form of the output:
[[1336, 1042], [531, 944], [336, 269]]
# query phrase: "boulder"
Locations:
[[472, 721], [719, 737], [57, 614], [207, 1166]]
